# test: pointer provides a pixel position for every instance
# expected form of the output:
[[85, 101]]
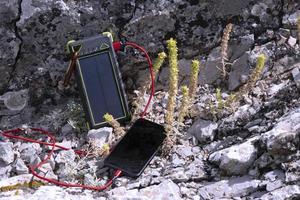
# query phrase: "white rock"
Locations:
[[236, 159], [292, 41], [21, 168], [6, 152], [296, 76], [29, 153], [101, 135]]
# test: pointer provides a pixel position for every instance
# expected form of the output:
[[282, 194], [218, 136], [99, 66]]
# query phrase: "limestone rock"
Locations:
[[6, 152], [100, 136], [234, 187], [283, 139], [287, 192], [236, 159], [203, 130], [165, 190], [20, 166]]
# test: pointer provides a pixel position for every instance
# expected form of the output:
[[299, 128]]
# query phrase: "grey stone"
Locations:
[[233, 187], [287, 192], [236, 159], [20, 166], [99, 136], [239, 47], [210, 72], [283, 139], [6, 152], [239, 68], [165, 190], [203, 130]]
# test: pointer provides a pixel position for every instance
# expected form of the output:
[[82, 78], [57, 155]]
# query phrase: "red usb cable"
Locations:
[[10, 133]]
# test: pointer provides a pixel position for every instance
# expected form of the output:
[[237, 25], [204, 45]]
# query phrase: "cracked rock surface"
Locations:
[[250, 153]]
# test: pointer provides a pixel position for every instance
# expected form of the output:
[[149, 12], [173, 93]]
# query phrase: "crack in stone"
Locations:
[[17, 34]]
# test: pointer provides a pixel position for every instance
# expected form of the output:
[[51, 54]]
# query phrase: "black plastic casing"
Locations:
[[90, 48]]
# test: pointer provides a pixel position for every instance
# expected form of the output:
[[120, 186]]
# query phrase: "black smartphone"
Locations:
[[137, 148], [99, 80]]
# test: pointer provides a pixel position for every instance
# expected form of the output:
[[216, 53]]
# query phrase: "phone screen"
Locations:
[[137, 148]]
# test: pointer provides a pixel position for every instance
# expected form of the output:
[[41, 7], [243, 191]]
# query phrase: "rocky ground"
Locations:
[[253, 153]]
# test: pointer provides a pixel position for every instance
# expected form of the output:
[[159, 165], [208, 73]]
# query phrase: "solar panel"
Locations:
[[99, 80]]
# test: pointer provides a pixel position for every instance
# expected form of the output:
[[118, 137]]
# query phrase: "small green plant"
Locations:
[[173, 88], [118, 130], [260, 64], [194, 79], [173, 84], [246, 88], [31, 184], [183, 110], [95, 150], [220, 102], [158, 62]]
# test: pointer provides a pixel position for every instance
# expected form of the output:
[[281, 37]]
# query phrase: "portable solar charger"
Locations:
[[99, 80]]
